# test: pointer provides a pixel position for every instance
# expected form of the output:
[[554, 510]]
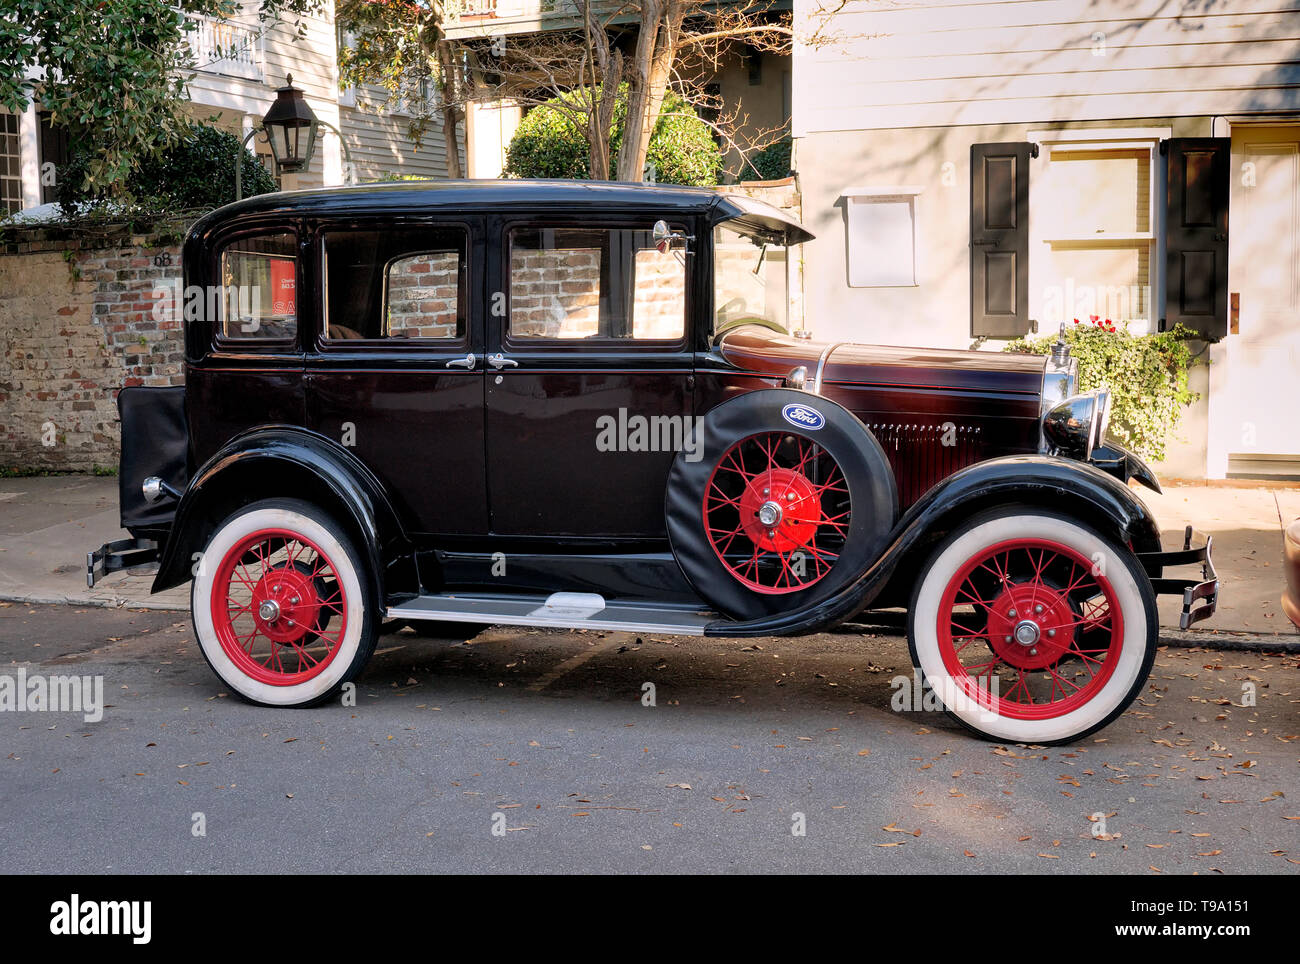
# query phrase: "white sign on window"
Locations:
[[883, 237]]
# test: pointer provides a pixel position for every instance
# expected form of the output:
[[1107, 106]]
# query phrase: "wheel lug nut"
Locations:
[[1033, 652], [1051, 632], [1011, 614], [1038, 608], [1006, 639], [766, 491]]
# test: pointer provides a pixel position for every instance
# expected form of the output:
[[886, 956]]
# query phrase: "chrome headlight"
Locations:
[[1060, 379], [1076, 426]]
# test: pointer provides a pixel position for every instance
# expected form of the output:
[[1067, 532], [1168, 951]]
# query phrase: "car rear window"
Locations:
[[395, 284], [259, 297]]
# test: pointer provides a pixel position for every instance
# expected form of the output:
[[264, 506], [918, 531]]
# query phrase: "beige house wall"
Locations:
[[892, 96], [935, 312]]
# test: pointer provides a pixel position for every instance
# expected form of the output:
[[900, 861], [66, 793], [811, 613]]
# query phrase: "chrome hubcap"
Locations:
[[268, 611], [769, 514], [1026, 632]]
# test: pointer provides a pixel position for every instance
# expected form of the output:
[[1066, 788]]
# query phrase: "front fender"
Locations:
[[1039, 481], [275, 461]]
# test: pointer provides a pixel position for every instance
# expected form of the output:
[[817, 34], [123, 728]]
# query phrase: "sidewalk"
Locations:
[[47, 525]]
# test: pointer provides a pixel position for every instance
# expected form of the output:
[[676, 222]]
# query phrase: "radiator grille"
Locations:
[[923, 453]]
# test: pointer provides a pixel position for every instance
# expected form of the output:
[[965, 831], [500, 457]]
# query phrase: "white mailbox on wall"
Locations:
[[884, 236]]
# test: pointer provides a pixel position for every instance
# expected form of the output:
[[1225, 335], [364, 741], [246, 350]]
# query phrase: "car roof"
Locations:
[[548, 195]]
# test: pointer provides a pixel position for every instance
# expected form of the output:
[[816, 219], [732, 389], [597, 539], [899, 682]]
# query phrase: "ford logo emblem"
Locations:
[[803, 416]]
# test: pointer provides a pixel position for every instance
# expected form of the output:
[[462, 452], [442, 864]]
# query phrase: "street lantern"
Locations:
[[290, 127]]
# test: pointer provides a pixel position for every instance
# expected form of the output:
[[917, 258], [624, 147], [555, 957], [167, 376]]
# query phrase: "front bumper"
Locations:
[[115, 556], [1196, 550]]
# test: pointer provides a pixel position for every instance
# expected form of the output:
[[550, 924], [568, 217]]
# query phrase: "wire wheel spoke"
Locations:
[[777, 512], [279, 607], [1053, 628]]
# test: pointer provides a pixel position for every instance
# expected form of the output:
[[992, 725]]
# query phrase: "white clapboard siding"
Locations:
[[919, 63], [380, 146], [311, 59]]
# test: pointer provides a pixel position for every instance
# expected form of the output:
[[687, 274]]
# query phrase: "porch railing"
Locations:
[[225, 48]]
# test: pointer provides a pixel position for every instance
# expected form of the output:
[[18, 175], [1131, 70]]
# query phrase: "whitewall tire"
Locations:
[[283, 607], [1031, 627]]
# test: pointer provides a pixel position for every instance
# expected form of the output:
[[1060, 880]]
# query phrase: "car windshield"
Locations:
[[750, 279]]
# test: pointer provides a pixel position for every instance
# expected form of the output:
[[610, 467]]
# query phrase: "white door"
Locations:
[[1261, 377]]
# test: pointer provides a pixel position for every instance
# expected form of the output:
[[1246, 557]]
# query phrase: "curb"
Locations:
[[1231, 641], [115, 602]]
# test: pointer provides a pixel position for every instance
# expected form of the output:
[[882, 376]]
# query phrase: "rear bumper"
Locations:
[[115, 556], [1195, 551]]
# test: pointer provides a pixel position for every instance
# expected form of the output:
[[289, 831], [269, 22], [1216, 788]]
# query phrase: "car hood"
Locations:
[[755, 348]]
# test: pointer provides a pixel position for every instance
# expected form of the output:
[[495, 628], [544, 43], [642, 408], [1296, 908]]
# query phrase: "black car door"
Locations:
[[589, 381]]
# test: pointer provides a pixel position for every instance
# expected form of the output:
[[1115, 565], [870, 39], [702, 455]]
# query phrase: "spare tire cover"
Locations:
[[872, 493]]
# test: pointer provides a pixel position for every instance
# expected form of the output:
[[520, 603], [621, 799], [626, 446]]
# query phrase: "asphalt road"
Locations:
[[531, 751]]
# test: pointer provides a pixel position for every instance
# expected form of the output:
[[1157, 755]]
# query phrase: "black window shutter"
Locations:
[[1196, 234], [999, 239]]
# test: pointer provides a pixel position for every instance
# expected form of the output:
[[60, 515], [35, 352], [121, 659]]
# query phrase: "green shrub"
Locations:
[[771, 163], [682, 151], [197, 173], [1146, 376]]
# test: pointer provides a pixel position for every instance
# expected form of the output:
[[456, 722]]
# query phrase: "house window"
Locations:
[[11, 165], [1094, 226], [883, 236]]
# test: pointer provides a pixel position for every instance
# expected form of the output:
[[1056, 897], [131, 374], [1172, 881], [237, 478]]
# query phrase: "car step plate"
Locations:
[[561, 610]]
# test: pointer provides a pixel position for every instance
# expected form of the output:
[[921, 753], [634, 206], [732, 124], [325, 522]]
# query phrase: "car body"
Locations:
[[580, 404]]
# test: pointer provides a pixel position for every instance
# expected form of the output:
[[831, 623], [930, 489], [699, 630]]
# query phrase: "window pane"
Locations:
[[659, 296], [259, 298], [395, 284], [574, 283], [748, 279]]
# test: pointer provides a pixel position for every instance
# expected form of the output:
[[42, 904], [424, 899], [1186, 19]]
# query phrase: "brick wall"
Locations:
[[556, 293], [422, 292], [77, 323]]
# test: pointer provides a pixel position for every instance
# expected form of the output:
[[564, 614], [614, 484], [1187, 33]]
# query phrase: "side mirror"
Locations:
[[665, 238]]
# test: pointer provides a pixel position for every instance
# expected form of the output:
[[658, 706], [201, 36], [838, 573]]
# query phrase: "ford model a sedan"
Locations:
[[580, 405]]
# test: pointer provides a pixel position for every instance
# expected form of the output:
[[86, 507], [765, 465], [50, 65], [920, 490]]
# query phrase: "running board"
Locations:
[[560, 610]]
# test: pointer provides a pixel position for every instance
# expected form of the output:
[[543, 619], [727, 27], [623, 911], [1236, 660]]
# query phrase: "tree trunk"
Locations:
[[450, 98], [451, 141], [656, 48]]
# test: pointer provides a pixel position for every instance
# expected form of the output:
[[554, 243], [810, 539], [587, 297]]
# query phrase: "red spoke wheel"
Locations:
[[277, 594], [1032, 627], [283, 608], [784, 500], [777, 511]]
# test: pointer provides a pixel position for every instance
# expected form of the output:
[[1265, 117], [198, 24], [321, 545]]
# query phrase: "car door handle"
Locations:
[[500, 361], [466, 362]]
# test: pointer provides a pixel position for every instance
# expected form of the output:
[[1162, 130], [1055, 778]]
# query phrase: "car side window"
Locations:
[[575, 284], [406, 284], [259, 298]]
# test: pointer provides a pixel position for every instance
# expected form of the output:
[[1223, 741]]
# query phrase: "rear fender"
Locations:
[[1072, 488], [276, 461]]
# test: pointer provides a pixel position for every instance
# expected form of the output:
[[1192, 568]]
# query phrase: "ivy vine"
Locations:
[[1146, 376]]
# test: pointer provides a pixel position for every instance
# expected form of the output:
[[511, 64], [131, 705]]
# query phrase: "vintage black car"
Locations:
[[576, 404]]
